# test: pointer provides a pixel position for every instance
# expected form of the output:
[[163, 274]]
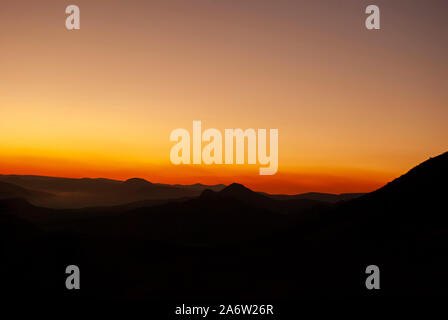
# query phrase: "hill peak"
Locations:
[[208, 194], [236, 188], [137, 181]]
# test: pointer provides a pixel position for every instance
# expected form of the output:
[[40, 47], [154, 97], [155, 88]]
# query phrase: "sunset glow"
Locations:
[[354, 108]]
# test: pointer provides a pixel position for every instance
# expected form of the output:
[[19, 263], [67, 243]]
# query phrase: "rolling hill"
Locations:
[[236, 243]]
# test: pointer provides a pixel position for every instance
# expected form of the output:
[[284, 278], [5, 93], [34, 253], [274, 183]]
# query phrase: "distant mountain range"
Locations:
[[55, 192], [86, 192]]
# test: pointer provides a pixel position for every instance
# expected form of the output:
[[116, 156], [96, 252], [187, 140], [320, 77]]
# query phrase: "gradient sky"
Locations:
[[354, 108]]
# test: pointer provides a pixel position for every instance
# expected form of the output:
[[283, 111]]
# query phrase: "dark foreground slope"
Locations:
[[236, 244], [199, 247], [404, 226]]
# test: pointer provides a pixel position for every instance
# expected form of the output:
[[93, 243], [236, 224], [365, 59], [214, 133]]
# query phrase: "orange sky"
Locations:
[[354, 108]]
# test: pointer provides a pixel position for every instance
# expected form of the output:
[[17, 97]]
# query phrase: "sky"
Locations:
[[354, 108]]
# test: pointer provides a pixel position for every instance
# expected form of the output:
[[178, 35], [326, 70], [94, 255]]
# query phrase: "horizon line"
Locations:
[[176, 184]]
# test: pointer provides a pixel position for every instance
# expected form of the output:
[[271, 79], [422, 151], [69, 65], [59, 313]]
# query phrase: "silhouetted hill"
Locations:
[[137, 181], [237, 189], [201, 187], [8, 191], [60, 185], [236, 243], [86, 192], [204, 221], [318, 196], [257, 200], [233, 215], [428, 179], [242, 193], [402, 226], [417, 194]]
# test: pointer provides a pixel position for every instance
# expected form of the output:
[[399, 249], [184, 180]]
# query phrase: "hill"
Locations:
[[87, 192], [237, 243]]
